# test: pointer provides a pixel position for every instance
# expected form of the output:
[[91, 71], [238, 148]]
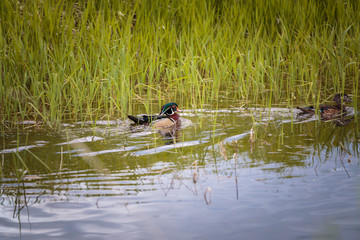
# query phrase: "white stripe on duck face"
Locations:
[[166, 111], [172, 111]]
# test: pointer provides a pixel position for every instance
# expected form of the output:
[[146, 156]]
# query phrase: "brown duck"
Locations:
[[330, 111]]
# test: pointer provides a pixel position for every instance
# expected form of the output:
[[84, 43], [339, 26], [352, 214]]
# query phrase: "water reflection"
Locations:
[[218, 162], [16, 194], [171, 134], [343, 121]]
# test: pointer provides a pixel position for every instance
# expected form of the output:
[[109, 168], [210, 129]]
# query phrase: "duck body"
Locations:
[[168, 121], [329, 111], [168, 117]]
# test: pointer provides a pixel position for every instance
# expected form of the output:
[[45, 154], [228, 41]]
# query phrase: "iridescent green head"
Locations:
[[169, 109]]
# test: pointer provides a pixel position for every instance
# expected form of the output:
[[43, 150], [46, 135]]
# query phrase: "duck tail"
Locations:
[[136, 119]]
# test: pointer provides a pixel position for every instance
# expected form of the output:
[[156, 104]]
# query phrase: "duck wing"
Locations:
[[329, 108], [329, 112]]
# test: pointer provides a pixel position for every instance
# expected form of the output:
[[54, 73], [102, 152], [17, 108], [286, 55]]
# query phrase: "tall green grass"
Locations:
[[70, 60]]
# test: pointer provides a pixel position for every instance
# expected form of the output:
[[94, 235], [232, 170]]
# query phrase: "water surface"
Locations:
[[226, 174]]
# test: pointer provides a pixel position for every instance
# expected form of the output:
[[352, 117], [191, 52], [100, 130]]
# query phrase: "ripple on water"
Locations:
[[167, 147], [290, 185], [82, 140]]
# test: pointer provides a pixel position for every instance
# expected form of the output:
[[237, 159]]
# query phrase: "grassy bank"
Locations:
[[89, 59]]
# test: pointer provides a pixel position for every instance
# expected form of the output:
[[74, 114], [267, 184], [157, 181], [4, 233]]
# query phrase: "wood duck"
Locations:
[[168, 117], [330, 111]]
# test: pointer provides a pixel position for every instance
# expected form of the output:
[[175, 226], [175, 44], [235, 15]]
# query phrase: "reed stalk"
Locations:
[[81, 60]]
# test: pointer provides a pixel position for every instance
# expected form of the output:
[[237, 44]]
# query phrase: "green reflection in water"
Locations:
[[116, 152], [115, 159]]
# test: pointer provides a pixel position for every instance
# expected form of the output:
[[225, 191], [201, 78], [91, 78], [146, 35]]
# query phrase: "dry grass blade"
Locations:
[[207, 196], [223, 151]]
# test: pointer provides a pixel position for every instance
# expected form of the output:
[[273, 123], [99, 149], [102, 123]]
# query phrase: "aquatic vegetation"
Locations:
[[93, 60]]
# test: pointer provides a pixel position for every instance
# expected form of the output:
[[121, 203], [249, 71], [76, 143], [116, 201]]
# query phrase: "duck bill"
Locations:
[[178, 110]]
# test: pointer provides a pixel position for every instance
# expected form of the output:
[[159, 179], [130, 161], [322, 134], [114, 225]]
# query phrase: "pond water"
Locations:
[[226, 174]]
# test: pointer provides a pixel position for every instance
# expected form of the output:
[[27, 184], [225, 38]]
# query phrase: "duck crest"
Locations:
[[169, 109]]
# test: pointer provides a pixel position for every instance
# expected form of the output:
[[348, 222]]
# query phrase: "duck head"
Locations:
[[169, 109], [341, 98]]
